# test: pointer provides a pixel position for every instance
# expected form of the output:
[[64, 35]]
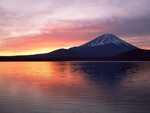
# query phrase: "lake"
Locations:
[[74, 87]]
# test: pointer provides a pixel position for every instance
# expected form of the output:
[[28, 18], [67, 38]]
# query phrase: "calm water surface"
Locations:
[[75, 87]]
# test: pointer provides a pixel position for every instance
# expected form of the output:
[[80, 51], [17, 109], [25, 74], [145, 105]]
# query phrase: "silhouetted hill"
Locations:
[[134, 55]]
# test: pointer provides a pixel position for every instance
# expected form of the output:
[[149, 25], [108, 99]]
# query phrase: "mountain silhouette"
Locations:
[[107, 45]]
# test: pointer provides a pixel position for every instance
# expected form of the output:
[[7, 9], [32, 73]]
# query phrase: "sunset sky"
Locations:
[[40, 26]]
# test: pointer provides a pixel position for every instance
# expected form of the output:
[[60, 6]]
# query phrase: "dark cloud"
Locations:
[[139, 26]]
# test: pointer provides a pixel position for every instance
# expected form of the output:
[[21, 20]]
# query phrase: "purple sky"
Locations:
[[38, 26]]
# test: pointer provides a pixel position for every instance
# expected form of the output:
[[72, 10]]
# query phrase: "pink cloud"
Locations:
[[35, 26]]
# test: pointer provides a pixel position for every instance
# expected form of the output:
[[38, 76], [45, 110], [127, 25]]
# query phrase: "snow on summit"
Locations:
[[106, 39], [107, 45]]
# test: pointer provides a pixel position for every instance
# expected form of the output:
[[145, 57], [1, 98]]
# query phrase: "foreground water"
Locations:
[[74, 87]]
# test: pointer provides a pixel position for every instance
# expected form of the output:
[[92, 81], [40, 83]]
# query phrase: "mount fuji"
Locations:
[[107, 45]]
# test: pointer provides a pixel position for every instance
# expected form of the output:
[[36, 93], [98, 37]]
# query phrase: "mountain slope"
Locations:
[[107, 45], [60, 54]]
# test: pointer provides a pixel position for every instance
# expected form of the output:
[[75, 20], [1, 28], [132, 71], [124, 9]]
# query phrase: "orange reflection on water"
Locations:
[[76, 83], [52, 77]]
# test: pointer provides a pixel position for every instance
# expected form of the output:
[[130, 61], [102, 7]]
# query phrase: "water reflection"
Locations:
[[103, 72], [74, 87]]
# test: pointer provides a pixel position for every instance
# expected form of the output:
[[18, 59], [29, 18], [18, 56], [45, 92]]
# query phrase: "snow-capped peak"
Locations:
[[106, 39], [104, 46]]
